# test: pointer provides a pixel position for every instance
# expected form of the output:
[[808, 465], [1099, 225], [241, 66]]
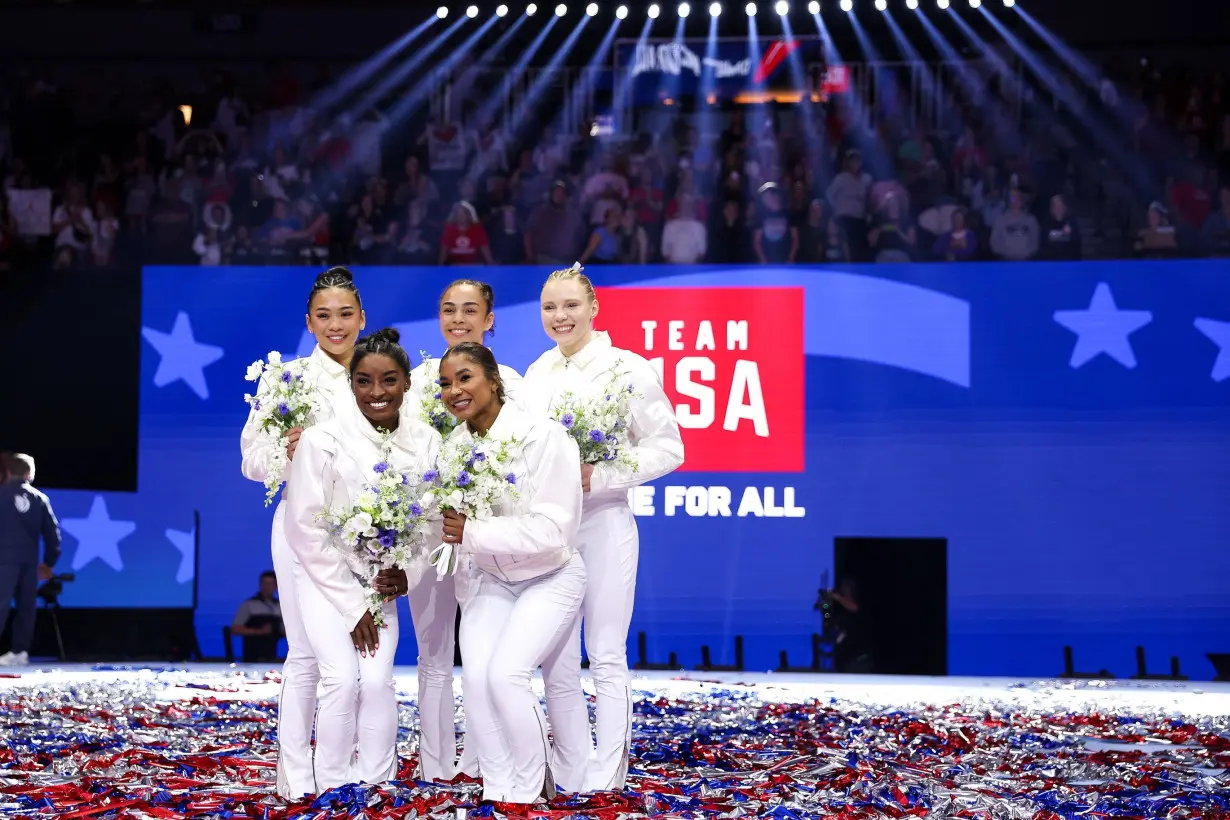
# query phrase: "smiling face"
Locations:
[[379, 385], [335, 319], [568, 314], [465, 315], [469, 391]]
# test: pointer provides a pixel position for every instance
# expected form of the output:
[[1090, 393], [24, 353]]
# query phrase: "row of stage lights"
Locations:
[[715, 9]]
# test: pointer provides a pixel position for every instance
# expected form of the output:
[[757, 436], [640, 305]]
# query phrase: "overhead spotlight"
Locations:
[[751, 9], [592, 9], [654, 11], [1009, 3], [881, 5], [442, 12], [530, 10], [782, 8], [502, 11], [621, 12], [561, 10], [973, 4], [813, 7], [472, 12], [715, 9], [943, 4], [684, 9], [847, 6], [912, 5]]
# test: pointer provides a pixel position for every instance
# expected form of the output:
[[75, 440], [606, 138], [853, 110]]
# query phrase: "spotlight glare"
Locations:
[[751, 9], [530, 9], [715, 9], [654, 11], [472, 12], [684, 9], [561, 10], [881, 5], [782, 8], [943, 4], [813, 7], [1009, 3], [442, 12], [912, 5], [621, 12], [502, 11], [847, 6], [592, 9], [973, 4]]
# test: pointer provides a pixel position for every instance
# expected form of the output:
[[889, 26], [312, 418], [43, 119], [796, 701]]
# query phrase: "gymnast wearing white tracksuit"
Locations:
[[607, 539], [335, 317], [523, 602], [335, 462], [466, 315]]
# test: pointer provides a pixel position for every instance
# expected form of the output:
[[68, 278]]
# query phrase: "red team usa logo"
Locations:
[[732, 363]]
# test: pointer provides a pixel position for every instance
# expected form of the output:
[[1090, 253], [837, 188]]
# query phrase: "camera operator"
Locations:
[[25, 517], [843, 625], [259, 622]]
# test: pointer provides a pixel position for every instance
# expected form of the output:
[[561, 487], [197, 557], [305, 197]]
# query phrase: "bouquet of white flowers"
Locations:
[[599, 424], [385, 528], [474, 479], [283, 401], [433, 409]]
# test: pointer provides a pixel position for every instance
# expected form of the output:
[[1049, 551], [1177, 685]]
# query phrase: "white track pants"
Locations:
[[610, 544], [300, 674], [358, 701], [508, 631], [433, 608]]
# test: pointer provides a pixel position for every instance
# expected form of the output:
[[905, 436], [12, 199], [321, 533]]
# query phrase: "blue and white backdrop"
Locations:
[[1065, 427]]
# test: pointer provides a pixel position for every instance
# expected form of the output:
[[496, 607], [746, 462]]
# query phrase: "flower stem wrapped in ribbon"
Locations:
[[433, 409], [475, 478], [284, 400], [599, 423], [385, 527]]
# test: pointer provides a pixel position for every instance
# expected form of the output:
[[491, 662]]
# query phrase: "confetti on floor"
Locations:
[[104, 742]]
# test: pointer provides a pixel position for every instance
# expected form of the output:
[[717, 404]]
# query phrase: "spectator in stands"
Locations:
[[141, 190], [72, 223], [728, 235], [553, 230], [279, 229], [172, 226], [102, 244], [891, 238], [1216, 231], [415, 185], [374, 233], [684, 238], [418, 245], [602, 247], [1189, 201], [1158, 238], [259, 622], [633, 240], [8, 234], [813, 233], [1060, 238], [847, 194], [1014, 235], [958, 243], [464, 241], [774, 239]]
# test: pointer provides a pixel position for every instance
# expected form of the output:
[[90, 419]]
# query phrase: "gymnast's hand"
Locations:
[[292, 441], [391, 583], [454, 526], [587, 470], [365, 635]]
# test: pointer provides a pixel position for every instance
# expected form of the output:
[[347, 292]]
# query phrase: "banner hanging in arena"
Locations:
[[723, 68]]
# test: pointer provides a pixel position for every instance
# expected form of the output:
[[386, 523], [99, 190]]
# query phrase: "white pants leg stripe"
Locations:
[[433, 608]]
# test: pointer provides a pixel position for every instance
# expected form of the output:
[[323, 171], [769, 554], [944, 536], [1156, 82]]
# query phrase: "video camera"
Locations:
[[53, 586]]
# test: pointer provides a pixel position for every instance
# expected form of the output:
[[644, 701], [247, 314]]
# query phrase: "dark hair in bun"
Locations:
[[384, 342], [339, 278], [482, 356]]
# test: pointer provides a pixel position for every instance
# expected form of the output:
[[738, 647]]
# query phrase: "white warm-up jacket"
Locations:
[[334, 462], [332, 382], [656, 444], [425, 375], [533, 533]]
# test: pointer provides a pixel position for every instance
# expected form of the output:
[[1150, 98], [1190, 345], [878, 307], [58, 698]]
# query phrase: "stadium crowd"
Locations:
[[250, 175]]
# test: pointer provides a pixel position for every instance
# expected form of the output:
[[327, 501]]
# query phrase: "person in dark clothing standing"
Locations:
[[25, 517]]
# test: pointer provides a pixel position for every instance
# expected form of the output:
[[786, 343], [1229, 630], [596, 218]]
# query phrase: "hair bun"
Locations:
[[387, 334], [335, 276]]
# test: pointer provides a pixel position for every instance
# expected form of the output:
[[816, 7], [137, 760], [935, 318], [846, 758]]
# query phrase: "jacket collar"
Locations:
[[331, 368], [598, 345]]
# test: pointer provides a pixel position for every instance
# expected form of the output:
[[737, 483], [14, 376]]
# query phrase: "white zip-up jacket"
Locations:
[[333, 387], [334, 462], [425, 375], [654, 433], [533, 534]]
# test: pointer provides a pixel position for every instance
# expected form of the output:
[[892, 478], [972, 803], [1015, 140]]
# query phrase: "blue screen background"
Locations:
[[1082, 505]]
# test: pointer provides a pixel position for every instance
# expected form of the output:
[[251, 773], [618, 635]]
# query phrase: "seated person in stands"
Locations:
[[259, 622]]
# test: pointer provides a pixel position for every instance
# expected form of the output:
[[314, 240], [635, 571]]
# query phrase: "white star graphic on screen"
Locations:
[[98, 536], [1103, 328], [183, 357], [1219, 333], [185, 542]]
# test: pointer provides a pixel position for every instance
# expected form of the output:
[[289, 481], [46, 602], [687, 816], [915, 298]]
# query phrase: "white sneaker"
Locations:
[[15, 659]]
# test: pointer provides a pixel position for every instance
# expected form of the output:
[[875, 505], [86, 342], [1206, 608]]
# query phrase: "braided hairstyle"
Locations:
[[338, 277], [384, 342], [482, 356]]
